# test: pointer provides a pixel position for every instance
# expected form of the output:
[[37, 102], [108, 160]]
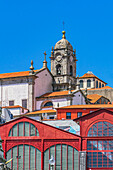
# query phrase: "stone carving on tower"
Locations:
[[63, 65]]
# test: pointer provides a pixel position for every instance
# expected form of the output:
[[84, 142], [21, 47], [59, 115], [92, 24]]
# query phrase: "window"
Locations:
[[24, 157], [96, 84], [102, 85], [68, 115], [100, 154], [66, 157], [79, 114], [24, 103], [88, 83], [58, 69], [71, 71], [99, 84], [11, 103], [48, 104], [24, 129], [101, 129], [81, 83]]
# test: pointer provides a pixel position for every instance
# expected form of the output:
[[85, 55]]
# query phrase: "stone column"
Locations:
[[82, 158]]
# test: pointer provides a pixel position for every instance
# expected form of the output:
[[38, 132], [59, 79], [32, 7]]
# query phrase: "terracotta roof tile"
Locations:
[[58, 93], [94, 97], [41, 111], [106, 87], [17, 74], [88, 106], [90, 75], [12, 107]]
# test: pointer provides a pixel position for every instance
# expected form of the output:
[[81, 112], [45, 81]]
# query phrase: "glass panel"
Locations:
[[110, 145], [15, 132], [58, 157], [101, 129], [20, 126], [99, 159], [38, 160], [32, 157], [99, 145], [94, 159], [52, 152], [64, 157], [15, 157], [10, 132], [70, 158], [8, 158], [26, 129], [26, 157], [20, 157], [32, 130], [94, 145], [37, 132], [76, 159], [46, 159]]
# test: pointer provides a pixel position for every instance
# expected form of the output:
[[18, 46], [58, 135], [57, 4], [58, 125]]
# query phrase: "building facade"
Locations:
[[31, 144]]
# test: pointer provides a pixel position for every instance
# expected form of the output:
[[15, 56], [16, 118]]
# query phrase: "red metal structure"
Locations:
[[96, 130], [31, 143]]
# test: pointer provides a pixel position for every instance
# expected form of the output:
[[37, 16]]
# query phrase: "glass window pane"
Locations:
[[8, 158], [20, 126], [20, 157], [32, 157], [58, 157], [32, 130], [38, 160], [76, 160], [15, 131], [26, 156], [46, 159], [14, 157], [26, 129], [70, 158]]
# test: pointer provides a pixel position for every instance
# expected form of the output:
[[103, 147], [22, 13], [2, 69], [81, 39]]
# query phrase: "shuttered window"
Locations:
[[24, 157], [66, 157], [24, 129]]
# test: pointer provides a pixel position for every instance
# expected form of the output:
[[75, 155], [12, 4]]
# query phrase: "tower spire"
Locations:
[[45, 62]]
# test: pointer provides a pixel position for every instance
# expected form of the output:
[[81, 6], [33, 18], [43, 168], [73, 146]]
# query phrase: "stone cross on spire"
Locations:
[[45, 62], [45, 56]]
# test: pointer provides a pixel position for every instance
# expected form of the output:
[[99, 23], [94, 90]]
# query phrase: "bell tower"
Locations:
[[63, 65]]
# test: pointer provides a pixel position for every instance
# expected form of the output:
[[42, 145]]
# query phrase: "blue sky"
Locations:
[[28, 28]]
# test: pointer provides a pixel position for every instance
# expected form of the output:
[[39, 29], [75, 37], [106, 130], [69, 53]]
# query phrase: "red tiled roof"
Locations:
[[87, 106], [17, 74], [58, 93], [94, 97], [90, 75], [12, 107], [40, 112], [106, 87]]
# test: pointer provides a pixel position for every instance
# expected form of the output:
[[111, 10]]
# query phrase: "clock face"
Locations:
[[59, 57], [71, 58]]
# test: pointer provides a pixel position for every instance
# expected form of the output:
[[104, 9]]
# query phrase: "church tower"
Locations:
[[63, 65]]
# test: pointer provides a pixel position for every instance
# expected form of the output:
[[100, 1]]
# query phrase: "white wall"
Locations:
[[15, 92]]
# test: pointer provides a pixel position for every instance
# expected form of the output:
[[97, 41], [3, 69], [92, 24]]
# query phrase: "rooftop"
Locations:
[[94, 97], [17, 74], [88, 106], [89, 74]]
